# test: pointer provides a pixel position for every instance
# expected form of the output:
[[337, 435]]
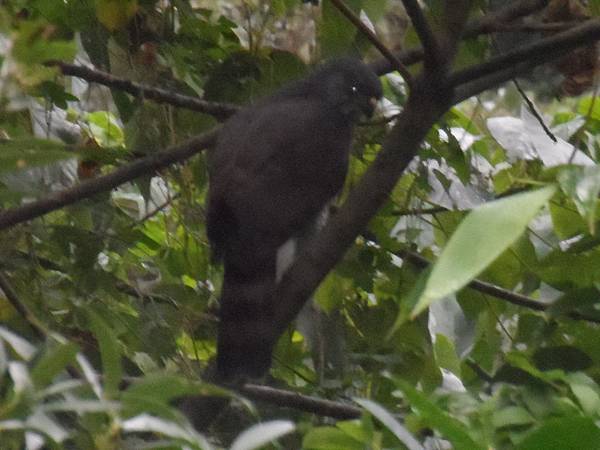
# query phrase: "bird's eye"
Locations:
[[354, 90]]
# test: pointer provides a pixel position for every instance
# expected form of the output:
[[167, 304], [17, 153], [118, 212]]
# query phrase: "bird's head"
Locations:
[[350, 86]]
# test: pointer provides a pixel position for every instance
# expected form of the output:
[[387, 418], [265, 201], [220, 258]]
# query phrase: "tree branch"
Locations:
[[386, 52], [498, 292], [219, 110], [431, 49], [474, 28], [107, 182], [536, 53], [290, 399]]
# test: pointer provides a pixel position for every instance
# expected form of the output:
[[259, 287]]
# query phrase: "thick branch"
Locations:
[[510, 12], [219, 110], [104, 183], [290, 399], [539, 52]]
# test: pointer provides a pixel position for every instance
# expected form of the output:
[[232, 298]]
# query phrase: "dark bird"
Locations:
[[275, 167]]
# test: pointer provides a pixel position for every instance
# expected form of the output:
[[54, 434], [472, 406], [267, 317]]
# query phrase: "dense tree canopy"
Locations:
[[452, 294]]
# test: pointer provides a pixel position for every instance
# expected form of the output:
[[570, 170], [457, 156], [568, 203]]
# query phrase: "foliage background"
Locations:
[[109, 307]]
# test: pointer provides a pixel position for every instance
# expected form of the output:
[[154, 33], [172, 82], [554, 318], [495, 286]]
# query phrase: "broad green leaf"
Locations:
[[261, 434], [582, 185], [22, 154], [54, 360], [104, 128], [390, 423], [330, 438], [449, 427], [110, 351], [482, 236], [580, 433], [512, 416], [445, 354], [587, 397], [335, 31]]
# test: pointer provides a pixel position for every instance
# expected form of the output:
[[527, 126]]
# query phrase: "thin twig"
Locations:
[[534, 111], [504, 15], [498, 292], [419, 211], [219, 110], [364, 29]]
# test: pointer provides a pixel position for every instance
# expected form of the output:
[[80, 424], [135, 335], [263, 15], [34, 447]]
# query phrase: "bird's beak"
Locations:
[[370, 106]]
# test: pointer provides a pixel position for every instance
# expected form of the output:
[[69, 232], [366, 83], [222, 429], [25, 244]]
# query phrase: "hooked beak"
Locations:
[[369, 106]]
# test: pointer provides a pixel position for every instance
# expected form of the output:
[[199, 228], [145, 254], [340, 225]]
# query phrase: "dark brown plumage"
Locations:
[[274, 168]]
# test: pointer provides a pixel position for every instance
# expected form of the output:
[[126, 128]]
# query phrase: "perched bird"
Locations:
[[275, 167]]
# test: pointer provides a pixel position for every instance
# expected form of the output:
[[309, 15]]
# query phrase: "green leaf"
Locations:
[[390, 423], [450, 428], [445, 354], [22, 154], [580, 433], [261, 434], [329, 438], [582, 185], [481, 237], [512, 416], [54, 360], [104, 128], [587, 397], [335, 31], [110, 351]]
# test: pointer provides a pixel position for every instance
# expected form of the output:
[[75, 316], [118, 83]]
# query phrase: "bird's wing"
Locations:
[[278, 164]]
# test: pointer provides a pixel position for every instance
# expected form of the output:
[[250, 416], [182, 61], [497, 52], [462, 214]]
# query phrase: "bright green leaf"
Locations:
[[482, 236], [582, 185], [576, 433], [329, 438]]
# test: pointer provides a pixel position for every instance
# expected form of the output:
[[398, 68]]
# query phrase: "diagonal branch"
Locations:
[[386, 52], [219, 110], [538, 52], [482, 25], [107, 182], [432, 52]]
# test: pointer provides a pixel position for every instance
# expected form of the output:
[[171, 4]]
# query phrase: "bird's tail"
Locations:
[[246, 329]]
